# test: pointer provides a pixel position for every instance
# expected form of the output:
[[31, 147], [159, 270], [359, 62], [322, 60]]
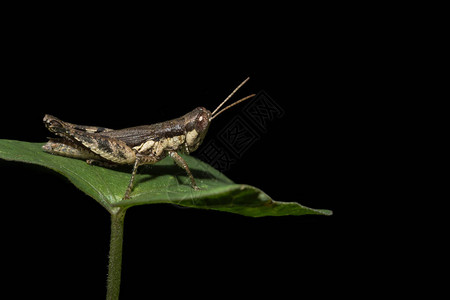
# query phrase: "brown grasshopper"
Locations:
[[135, 146]]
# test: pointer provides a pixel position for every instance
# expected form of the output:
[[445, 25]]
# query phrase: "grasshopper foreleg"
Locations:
[[182, 163]]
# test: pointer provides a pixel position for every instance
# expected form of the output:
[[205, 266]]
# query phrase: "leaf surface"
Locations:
[[163, 182]]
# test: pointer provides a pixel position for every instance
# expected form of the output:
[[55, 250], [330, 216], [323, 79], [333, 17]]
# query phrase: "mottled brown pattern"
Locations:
[[138, 145]]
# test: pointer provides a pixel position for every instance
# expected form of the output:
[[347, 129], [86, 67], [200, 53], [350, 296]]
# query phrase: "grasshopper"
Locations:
[[140, 145]]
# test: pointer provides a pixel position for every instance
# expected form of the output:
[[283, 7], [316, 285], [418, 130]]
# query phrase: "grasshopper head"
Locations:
[[198, 119], [197, 124]]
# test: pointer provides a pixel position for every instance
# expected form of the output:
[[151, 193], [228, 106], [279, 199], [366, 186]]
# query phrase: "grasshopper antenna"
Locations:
[[214, 114], [231, 105]]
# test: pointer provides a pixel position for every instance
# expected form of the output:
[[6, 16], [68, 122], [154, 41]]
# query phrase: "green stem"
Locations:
[[115, 254]]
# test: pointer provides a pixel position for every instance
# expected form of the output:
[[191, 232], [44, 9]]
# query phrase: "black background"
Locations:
[[118, 76]]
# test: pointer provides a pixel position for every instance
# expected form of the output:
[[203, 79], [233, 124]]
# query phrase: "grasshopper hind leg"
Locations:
[[67, 148]]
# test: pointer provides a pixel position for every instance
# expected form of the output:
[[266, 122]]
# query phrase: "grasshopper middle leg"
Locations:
[[140, 160], [130, 184]]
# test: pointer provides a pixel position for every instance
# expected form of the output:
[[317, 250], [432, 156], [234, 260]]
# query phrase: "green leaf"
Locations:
[[163, 182]]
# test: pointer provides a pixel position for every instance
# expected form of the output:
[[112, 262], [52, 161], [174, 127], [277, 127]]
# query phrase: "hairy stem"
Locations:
[[115, 254]]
